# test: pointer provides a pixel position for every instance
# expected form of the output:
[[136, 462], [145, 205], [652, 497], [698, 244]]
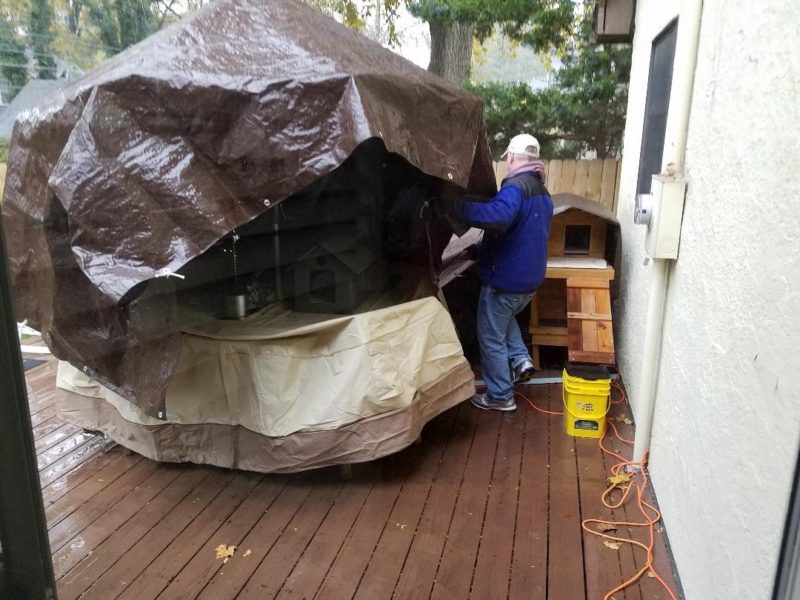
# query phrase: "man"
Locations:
[[512, 263]]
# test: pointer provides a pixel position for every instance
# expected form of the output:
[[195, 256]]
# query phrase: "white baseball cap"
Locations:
[[523, 144]]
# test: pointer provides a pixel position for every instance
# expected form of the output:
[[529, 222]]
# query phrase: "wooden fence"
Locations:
[[2, 179], [596, 180]]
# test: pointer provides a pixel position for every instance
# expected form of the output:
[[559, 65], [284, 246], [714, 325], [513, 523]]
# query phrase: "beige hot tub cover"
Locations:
[[283, 391]]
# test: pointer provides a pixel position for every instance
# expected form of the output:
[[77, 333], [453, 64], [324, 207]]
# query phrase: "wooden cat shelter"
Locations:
[[572, 308]]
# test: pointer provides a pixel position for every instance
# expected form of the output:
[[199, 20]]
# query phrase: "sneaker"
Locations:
[[483, 402], [523, 372]]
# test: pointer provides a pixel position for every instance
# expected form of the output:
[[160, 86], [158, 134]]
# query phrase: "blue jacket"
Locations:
[[516, 222]]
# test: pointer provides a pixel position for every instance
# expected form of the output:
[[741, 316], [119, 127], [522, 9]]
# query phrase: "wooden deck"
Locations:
[[486, 506]]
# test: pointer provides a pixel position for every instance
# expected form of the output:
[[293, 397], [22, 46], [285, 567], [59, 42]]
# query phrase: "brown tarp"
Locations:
[[146, 162]]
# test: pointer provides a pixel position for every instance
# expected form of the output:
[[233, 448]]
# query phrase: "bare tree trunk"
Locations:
[[74, 16], [451, 49]]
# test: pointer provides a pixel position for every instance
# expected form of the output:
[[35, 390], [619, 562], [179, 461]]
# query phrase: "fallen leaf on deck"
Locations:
[[612, 545], [605, 527], [624, 419], [619, 479], [224, 551], [651, 575], [248, 553]]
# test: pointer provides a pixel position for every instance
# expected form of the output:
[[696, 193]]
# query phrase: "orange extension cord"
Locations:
[[649, 519]]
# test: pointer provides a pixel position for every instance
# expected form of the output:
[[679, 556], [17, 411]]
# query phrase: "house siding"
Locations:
[[727, 417]]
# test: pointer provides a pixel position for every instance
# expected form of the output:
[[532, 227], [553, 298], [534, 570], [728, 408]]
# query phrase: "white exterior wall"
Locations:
[[727, 416]]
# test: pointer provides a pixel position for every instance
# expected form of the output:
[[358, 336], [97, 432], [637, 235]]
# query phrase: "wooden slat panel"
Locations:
[[580, 185], [599, 358], [3, 168], [574, 335], [551, 300], [534, 318], [549, 330], [554, 176], [603, 301], [550, 340], [608, 183], [589, 336], [616, 186], [594, 189], [587, 301], [500, 170], [605, 337], [595, 316], [569, 273], [574, 303], [567, 175], [597, 241], [578, 283]]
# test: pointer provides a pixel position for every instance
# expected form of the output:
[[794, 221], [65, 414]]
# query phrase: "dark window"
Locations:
[[576, 239], [662, 57]]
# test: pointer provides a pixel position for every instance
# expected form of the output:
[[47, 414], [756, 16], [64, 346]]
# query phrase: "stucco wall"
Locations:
[[727, 418]]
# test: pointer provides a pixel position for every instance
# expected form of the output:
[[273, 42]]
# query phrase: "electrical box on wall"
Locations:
[[666, 206]]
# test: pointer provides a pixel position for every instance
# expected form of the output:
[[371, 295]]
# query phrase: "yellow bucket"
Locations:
[[586, 404]]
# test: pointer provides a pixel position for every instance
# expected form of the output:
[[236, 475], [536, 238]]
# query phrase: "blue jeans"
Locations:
[[500, 339]]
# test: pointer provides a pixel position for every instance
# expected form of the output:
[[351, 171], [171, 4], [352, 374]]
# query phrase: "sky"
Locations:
[[414, 38]]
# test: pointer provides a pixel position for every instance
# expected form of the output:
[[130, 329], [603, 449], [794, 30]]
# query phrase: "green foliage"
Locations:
[[583, 111], [514, 108], [540, 24], [4, 149], [40, 19], [356, 14], [123, 23], [12, 58]]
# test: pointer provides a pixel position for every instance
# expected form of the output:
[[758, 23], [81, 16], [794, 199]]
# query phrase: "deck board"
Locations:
[[529, 563], [488, 505], [493, 562], [150, 577], [456, 567], [419, 572], [565, 552], [390, 553]]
